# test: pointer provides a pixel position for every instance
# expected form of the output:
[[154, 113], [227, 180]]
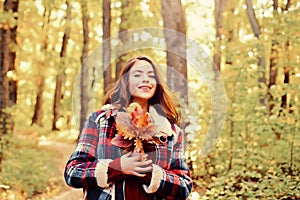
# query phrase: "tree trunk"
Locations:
[[38, 108], [123, 36], [230, 37], [286, 80], [61, 74], [4, 59], [84, 68], [175, 36], [261, 59], [56, 102], [273, 59], [286, 68], [252, 18], [287, 5], [8, 86], [219, 9], [273, 62], [13, 87], [38, 111], [174, 19], [106, 46]]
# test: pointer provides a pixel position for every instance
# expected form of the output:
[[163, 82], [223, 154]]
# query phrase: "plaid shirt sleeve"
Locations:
[[173, 181], [80, 171]]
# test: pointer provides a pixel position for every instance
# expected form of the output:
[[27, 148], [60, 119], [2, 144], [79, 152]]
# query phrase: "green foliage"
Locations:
[[26, 168], [257, 156], [250, 161]]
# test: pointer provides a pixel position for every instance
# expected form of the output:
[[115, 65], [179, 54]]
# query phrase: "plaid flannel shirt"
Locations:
[[88, 164]]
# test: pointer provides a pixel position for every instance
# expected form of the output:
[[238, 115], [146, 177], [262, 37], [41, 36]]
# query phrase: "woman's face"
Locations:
[[142, 82]]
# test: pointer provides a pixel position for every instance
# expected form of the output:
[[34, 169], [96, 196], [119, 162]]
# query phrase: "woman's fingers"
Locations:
[[131, 164], [141, 171], [138, 174], [145, 163], [128, 154], [144, 169]]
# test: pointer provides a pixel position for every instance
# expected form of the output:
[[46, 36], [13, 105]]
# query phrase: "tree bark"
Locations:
[[106, 46], [123, 36], [84, 68], [252, 18], [38, 111], [60, 77], [8, 86], [174, 19], [13, 87], [287, 5], [219, 9], [273, 63], [286, 68], [273, 58], [286, 80], [38, 108], [175, 36], [261, 59]]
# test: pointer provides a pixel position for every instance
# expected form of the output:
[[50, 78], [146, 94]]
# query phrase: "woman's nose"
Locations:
[[145, 79]]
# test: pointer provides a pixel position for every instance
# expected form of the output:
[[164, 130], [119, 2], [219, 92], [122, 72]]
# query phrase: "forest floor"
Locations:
[[64, 149]]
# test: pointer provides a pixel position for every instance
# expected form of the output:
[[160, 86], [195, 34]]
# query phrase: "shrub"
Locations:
[[26, 168]]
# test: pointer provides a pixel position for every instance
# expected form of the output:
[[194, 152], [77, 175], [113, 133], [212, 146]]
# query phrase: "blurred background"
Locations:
[[58, 58]]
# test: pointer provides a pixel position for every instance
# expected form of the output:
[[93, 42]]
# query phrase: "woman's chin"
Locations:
[[143, 96]]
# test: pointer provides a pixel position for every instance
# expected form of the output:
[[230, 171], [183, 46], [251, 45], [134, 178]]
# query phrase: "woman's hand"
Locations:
[[131, 164]]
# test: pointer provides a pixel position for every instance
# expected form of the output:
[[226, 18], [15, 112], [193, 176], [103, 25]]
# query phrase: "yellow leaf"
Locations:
[[133, 106], [139, 145]]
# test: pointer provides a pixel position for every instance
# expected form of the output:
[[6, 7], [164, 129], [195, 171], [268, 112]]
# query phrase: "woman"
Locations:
[[104, 171]]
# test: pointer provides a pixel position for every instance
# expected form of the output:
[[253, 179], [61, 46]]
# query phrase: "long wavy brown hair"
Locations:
[[120, 95]]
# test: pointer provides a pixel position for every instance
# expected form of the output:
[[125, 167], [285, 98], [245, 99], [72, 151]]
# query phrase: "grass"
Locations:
[[27, 169]]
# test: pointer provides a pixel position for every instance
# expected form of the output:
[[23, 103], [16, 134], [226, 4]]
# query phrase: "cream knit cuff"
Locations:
[[157, 176], [101, 172]]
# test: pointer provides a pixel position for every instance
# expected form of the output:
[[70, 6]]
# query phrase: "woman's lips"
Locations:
[[145, 88]]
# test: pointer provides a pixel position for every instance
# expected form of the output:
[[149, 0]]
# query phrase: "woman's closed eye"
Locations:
[[140, 75]]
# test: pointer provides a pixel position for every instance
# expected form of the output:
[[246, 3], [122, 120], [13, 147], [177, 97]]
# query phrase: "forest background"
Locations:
[[251, 47]]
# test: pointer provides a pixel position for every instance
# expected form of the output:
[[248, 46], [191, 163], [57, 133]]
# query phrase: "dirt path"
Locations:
[[64, 149]]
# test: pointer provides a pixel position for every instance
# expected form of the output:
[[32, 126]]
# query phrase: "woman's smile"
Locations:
[[145, 87], [142, 81]]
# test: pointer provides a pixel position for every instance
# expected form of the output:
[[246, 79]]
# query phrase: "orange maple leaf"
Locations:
[[142, 120], [133, 128]]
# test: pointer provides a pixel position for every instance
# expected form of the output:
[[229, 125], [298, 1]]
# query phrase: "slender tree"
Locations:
[[286, 69], [175, 36], [8, 90], [123, 35], [84, 68], [274, 57], [38, 108], [286, 74], [174, 19], [256, 31], [61, 74], [8, 87], [106, 46], [219, 9]]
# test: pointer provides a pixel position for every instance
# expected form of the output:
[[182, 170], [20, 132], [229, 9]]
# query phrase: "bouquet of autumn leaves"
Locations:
[[134, 127]]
